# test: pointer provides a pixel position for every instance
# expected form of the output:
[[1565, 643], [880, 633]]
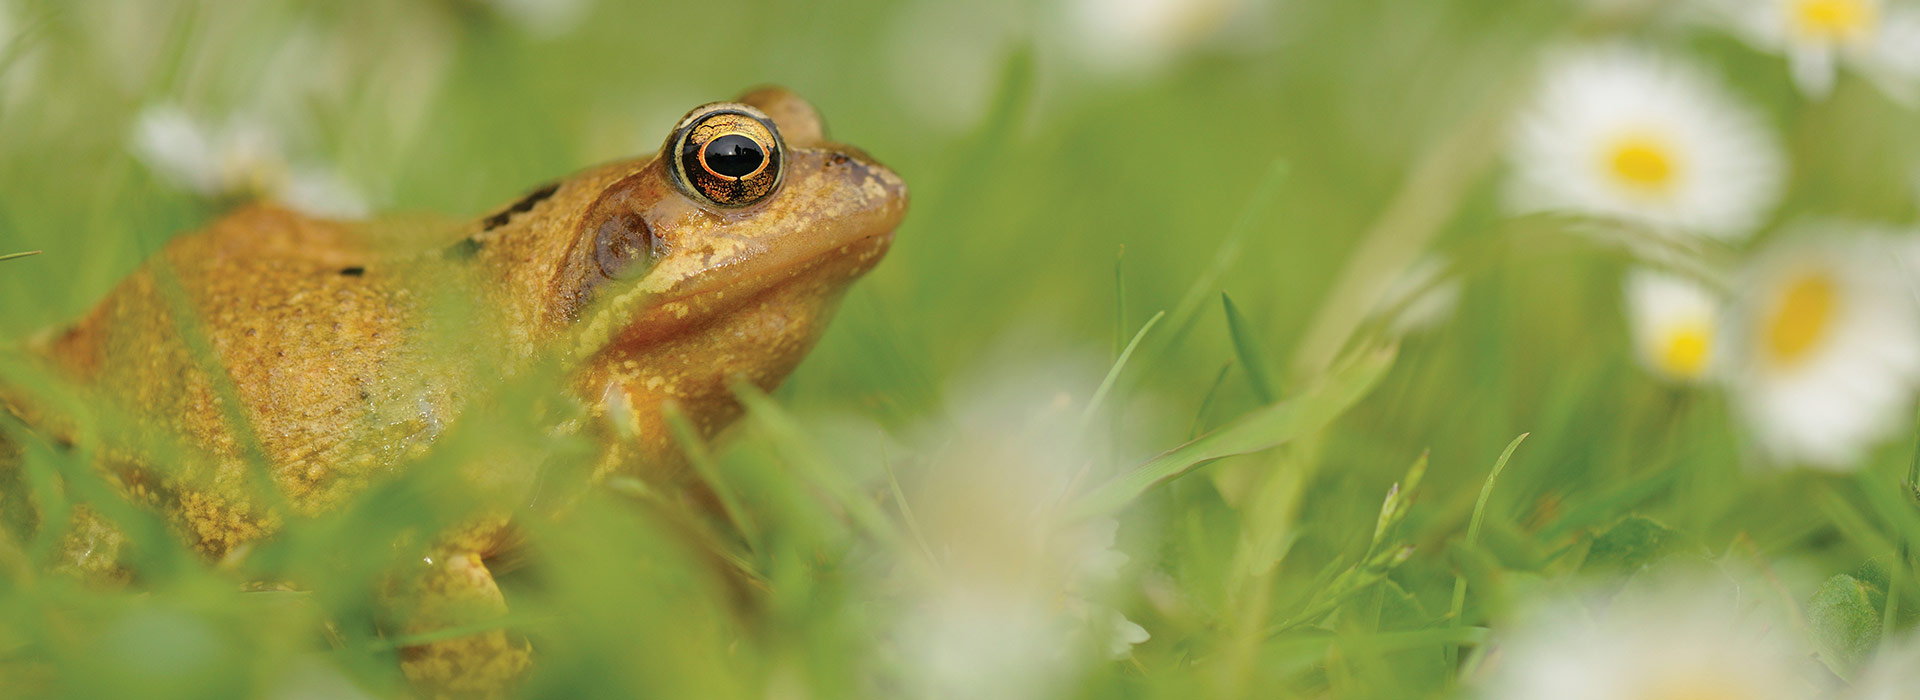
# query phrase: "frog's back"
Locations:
[[268, 335]]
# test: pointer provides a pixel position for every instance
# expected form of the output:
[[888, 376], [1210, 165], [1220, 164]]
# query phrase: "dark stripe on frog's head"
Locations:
[[469, 247], [523, 206], [464, 249]]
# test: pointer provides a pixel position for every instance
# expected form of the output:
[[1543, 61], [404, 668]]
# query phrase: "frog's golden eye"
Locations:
[[727, 156]]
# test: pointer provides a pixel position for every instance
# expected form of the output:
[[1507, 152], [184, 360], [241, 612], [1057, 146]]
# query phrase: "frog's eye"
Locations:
[[727, 156]]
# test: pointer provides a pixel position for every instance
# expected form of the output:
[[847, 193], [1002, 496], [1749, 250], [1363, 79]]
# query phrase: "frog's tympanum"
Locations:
[[326, 350]]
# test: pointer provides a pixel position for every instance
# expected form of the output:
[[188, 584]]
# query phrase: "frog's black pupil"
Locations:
[[734, 155]]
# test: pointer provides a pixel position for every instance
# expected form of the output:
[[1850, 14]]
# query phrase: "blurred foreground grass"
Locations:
[[1059, 204]]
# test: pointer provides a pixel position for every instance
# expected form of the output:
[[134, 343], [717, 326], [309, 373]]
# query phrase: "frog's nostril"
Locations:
[[854, 170], [854, 167]]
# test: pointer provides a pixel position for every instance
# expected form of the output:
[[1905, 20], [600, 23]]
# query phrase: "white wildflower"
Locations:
[[1005, 606], [946, 59], [19, 58], [1893, 674], [1825, 347], [1666, 646], [1142, 36], [239, 159], [1880, 39], [544, 18], [1627, 135], [1675, 323]]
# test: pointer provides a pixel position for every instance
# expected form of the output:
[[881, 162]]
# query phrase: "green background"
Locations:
[[1055, 219]]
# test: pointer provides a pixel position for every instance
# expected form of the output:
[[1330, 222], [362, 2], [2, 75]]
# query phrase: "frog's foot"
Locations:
[[457, 592]]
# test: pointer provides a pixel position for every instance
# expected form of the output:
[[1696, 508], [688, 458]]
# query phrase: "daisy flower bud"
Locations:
[[1675, 323]]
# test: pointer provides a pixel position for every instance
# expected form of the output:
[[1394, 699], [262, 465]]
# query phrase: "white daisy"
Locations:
[[18, 76], [9, 29], [1675, 323], [945, 59], [1002, 598], [1824, 349], [1142, 36], [1627, 135], [312, 676], [1893, 674], [1667, 645], [544, 18], [1878, 38], [240, 159], [1621, 9]]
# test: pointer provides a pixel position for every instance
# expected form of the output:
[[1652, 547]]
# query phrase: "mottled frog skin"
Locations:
[[332, 351]]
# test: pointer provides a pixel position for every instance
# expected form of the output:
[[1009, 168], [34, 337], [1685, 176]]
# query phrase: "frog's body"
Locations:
[[327, 350], [315, 348]]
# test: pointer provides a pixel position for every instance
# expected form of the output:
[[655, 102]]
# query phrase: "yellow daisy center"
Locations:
[[1698, 689], [1802, 318], [1642, 163], [252, 175], [1696, 694], [1683, 350], [1832, 20]]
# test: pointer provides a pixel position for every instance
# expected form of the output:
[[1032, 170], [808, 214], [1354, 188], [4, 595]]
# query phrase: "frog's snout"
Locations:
[[880, 191], [876, 193]]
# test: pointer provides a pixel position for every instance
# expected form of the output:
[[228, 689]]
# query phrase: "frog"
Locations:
[[656, 287]]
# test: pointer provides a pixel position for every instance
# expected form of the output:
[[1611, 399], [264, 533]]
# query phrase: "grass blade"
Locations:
[[1248, 350], [1113, 374], [1486, 489], [1459, 606], [1119, 300], [798, 446], [1256, 207], [702, 461], [1260, 429], [1206, 400]]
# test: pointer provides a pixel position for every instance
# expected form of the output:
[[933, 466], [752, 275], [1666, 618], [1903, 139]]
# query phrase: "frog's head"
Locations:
[[720, 258]]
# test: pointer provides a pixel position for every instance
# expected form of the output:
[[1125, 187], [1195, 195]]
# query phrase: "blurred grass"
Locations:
[[1009, 252]]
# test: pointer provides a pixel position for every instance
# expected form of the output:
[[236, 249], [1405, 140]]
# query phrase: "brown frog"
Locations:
[[333, 351]]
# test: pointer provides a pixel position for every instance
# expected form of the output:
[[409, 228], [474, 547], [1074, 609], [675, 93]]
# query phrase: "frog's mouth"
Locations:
[[827, 269]]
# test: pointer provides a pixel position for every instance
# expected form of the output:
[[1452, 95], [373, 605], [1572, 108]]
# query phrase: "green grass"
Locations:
[[1060, 224]]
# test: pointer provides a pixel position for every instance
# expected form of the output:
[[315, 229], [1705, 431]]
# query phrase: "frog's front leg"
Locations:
[[454, 590]]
